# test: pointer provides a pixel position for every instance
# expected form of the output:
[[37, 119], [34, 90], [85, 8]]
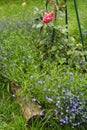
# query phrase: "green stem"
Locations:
[[57, 2]]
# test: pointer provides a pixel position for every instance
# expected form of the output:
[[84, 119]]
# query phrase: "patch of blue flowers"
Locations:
[[67, 106]]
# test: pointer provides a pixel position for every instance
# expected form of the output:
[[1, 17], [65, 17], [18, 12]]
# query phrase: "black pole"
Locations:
[[79, 26]]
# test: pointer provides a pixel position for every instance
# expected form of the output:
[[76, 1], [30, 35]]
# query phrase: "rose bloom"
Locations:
[[48, 17]]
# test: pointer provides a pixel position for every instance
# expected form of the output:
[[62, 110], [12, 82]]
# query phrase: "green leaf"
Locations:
[[61, 60], [39, 25], [69, 52], [54, 48], [84, 52]]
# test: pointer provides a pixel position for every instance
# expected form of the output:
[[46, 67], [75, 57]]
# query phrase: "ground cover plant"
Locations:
[[50, 68]]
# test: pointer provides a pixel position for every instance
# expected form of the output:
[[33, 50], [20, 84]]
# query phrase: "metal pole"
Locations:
[[79, 26], [46, 4], [66, 18]]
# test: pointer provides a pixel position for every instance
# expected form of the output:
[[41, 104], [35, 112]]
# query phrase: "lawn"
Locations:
[[48, 71]]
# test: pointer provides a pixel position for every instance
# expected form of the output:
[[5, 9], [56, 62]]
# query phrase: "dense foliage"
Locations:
[[50, 68]]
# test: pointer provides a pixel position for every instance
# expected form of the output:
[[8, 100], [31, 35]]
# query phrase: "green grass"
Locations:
[[73, 24], [23, 64], [10, 112], [14, 8]]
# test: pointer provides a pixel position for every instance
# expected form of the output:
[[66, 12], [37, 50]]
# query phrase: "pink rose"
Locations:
[[48, 17]]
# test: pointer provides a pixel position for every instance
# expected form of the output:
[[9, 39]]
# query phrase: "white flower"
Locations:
[[24, 4]]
